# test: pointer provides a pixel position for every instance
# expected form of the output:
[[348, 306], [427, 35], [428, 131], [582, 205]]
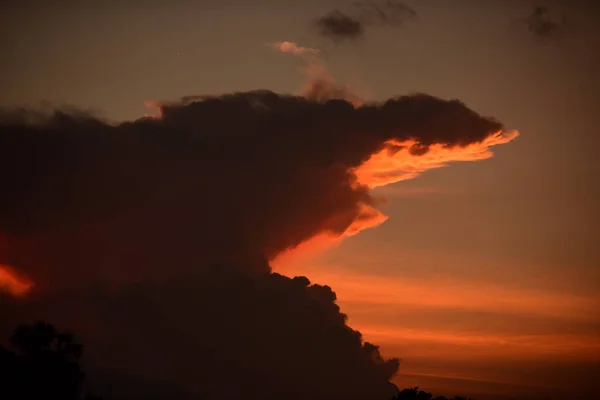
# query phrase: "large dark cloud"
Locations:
[[242, 176], [341, 26], [151, 238]]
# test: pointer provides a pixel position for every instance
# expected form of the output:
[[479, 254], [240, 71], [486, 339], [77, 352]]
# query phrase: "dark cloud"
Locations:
[[242, 176], [542, 23], [179, 216], [339, 26], [351, 26]]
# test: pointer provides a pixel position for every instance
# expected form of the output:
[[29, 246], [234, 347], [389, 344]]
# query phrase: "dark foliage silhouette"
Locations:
[[43, 365], [416, 394]]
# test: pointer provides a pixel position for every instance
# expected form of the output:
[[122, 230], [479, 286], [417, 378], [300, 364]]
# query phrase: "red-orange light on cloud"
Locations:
[[12, 283], [389, 166], [368, 217]]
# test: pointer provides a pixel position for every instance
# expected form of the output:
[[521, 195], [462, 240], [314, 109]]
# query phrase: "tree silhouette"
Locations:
[[44, 364], [416, 394]]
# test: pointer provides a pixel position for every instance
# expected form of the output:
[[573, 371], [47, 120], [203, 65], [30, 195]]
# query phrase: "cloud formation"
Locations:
[[10, 282], [294, 48], [339, 26], [152, 238], [351, 26], [320, 86], [543, 24], [242, 176]]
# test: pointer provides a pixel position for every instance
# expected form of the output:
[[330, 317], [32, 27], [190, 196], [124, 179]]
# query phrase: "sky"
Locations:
[[484, 278]]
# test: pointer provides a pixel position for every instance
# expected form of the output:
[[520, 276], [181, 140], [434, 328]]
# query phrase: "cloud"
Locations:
[[152, 238], [294, 48], [543, 24], [339, 26], [242, 176], [320, 86], [351, 26], [11, 283]]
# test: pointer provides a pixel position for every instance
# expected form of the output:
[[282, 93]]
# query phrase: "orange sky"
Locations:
[[413, 318]]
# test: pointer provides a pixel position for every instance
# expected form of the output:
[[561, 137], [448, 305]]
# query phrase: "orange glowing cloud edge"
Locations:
[[384, 168], [13, 283], [294, 48]]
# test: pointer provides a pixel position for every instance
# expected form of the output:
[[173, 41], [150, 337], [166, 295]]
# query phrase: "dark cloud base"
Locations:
[[216, 335]]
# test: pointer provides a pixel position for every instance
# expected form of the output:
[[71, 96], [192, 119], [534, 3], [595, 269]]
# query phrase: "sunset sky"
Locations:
[[484, 280]]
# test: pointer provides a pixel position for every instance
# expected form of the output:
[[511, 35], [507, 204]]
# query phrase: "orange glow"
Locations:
[[12, 283], [154, 109], [368, 217], [294, 48], [384, 167], [353, 288], [517, 346], [369, 300]]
